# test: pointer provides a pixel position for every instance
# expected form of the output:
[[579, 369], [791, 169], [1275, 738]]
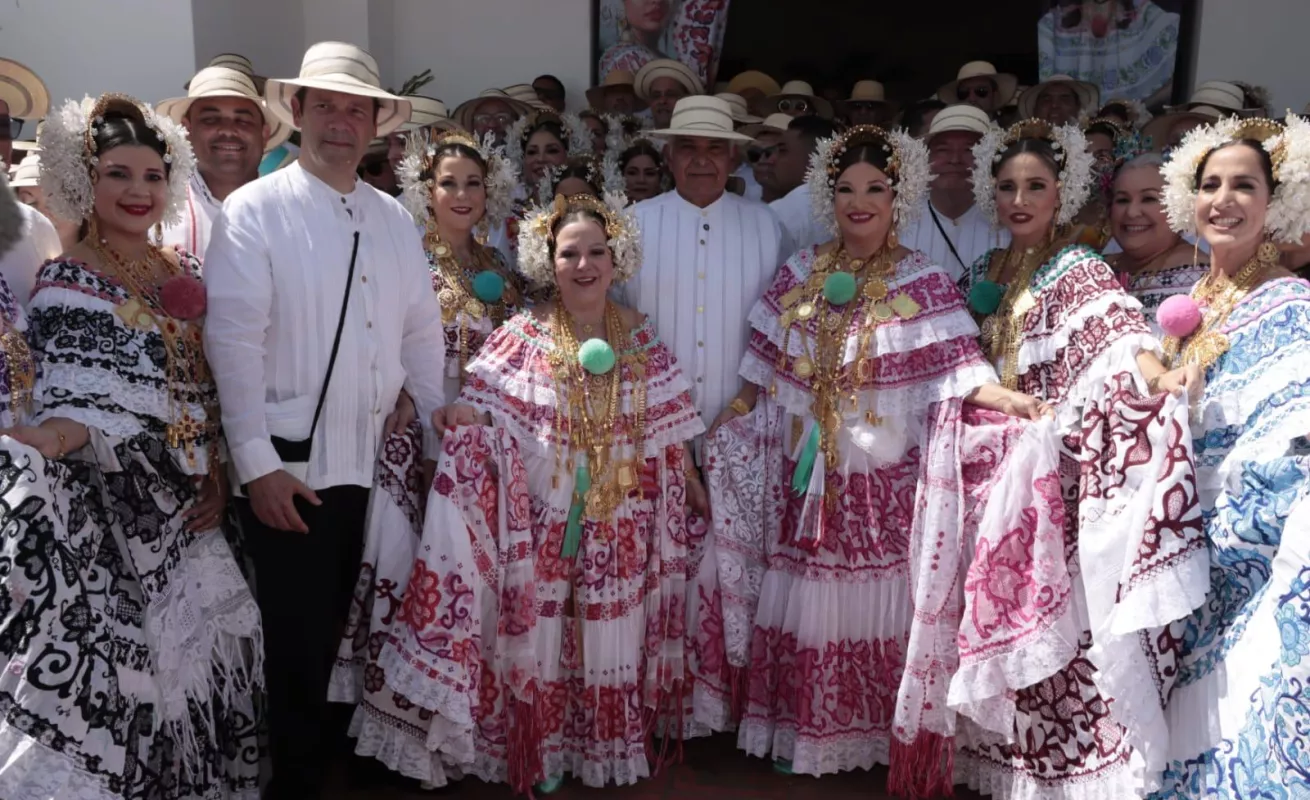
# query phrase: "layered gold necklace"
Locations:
[[20, 364], [185, 365], [1218, 296], [459, 302], [1002, 330], [588, 409]]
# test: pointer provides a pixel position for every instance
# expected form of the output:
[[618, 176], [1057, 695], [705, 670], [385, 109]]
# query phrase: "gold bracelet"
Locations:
[[63, 444], [739, 406], [691, 472]]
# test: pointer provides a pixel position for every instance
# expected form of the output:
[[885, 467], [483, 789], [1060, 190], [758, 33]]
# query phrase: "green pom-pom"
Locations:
[[839, 288], [488, 286], [985, 297], [596, 356]]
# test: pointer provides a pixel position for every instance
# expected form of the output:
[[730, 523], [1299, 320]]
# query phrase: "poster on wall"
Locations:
[[1129, 48], [630, 33]]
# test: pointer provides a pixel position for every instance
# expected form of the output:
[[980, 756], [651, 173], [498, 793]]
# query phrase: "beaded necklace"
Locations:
[[1219, 296], [460, 301], [1002, 330]]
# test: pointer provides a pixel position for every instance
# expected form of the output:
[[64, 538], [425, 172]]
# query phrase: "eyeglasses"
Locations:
[[981, 92], [863, 105], [10, 128], [789, 105], [503, 118], [755, 154], [671, 94]]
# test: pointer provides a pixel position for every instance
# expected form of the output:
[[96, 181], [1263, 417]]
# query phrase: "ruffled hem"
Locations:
[[32, 771], [399, 751], [1114, 783], [1044, 349]]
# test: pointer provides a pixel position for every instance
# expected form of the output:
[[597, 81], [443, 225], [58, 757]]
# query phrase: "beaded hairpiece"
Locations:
[[536, 236], [1288, 146], [1125, 146], [69, 156], [1138, 114], [601, 172], [1073, 161], [421, 149], [907, 170], [577, 139]]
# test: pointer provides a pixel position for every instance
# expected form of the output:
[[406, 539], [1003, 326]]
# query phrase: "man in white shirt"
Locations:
[[277, 276], [952, 231], [23, 96], [709, 254], [230, 131], [794, 209], [662, 83]]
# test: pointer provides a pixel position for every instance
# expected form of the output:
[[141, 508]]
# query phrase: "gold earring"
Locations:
[[892, 241], [159, 233], [1267, 253], [93, 230]]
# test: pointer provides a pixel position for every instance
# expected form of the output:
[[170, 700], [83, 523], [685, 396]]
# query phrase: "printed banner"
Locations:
[[1126, 47], [630, 33]]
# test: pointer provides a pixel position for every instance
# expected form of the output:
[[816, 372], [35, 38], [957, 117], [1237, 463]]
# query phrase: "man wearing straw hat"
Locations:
[[952, 231], [794, 209], [23, 96], [978, 83], [662, 83], [427, 113], [320, 308], [709, 254], [616, 94], [230, 131]]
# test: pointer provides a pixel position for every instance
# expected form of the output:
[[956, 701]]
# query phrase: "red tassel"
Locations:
[[524, 748], [924, 769]]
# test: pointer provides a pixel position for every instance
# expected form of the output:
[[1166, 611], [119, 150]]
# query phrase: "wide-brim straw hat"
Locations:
[[702, 117], [867, 92], [964, 117], [27, 172], [802, 90], [740, 111], [614, 78], [1209, 102], [524, 93], [338, 67], [776, 122], [1089, 96], [428, 112], [239, 63], [1006, 85], [753, 79], [463, 115], [666, 68], [225, 82], [23, 91]]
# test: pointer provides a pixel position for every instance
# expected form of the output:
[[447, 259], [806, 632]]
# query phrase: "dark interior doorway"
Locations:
[[912, 47]]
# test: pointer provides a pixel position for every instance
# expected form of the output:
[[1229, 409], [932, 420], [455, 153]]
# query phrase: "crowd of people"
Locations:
[[965, 438]]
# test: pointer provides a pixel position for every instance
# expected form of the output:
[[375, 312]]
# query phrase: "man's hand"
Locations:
[[207, 513], [272, 498], [404, 414]]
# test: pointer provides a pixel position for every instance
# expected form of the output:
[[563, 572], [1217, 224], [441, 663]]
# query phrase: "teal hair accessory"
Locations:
[[800, 477], [985, 297], [839, 288], [488, 286], [596, 356]]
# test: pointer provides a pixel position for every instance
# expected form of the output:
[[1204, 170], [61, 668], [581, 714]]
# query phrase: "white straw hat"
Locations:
[[666, 68], [740, 112], [239, 63], [27, 173], [338, 67], [1089, 96], [22, 91], [1006, 85], [702, 117], [959, 117], [1209, 102], [774, 123], [463, 115], [799, 89], [428, 112], [867, 92], [224, 82], [524, 93]]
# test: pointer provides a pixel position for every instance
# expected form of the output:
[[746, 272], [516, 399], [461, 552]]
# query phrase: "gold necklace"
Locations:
[[185, 363], [1002, 331], [20, 364], [588, 408], [456, 293], [1219, 297]]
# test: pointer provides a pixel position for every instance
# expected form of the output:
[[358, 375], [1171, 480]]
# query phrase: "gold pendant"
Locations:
[[1023, 303], [905, 306], [792, 296], [446, 297], [882, 312], [834, 322], [627, 477], [441, 250], [872, 418], [803, 367], [475, 308], [805, 310], [875, 289], [135, 315]]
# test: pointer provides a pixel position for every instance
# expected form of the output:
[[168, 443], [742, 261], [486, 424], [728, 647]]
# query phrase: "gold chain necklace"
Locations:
[[185, 363], [456, 293], [588, 407], [1002, 331], [20, 364], [1219, 297]]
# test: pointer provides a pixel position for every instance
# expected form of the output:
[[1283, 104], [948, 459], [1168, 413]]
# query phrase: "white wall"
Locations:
[[271, 33], [472, 45], [87, 47], [1260, 42]]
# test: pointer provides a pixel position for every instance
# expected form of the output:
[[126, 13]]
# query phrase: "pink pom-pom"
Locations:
[[1178, 316], [183, 297]]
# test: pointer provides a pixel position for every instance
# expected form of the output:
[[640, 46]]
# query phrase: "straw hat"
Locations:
[[774, 123], [1209, 102], [463, 115], [224, 82], [867, 92], [428, 112], [666, 68], [959, 117], [1006, 85], [1089, 96], [753, 79], [799, 89], [338, 67], [27, 173], [615, 77], [239, 63], [740, 112], [524, 93], [22, 91], [702, 117]]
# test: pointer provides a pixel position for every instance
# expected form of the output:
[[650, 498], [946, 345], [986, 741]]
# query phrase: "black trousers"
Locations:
[[304, 584]]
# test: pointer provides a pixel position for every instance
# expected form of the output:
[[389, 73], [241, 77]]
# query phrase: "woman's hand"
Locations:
[[725, 416], [1187, 379], [698, 497], [457, 415], [208, 512], [42, 438], [404, 414], [1025, 406]]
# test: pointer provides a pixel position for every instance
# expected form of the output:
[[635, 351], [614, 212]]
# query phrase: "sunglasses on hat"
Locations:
[[863, 105], [793, 104], [10, 128]]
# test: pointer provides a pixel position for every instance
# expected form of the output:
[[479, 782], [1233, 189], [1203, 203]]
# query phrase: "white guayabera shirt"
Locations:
[[198, 215], [971, 235]]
